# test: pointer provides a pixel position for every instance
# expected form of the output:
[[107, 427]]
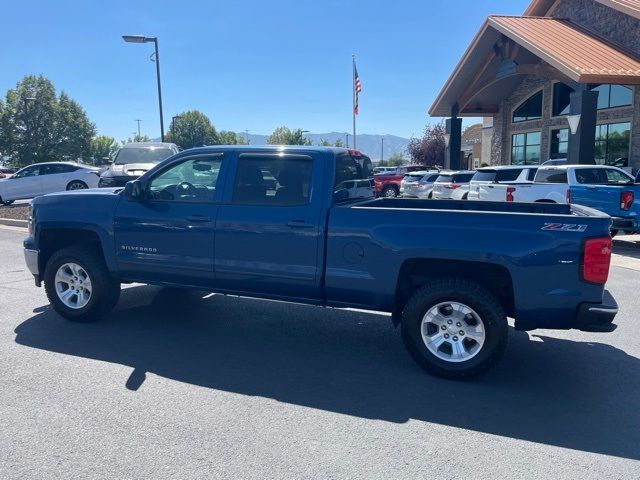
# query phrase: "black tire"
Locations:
[[77, 185], [8, 202], [614, 232], [465, 196], [390, 192], [475, 297], [105, 289]]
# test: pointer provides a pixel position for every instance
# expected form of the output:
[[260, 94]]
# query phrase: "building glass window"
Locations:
[[609, 96], [612, 144], [561, 99], [559, 143], [530, 109], [525, 148], [612, 96]]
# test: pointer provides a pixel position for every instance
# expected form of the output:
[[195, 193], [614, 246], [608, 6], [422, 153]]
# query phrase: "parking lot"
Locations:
[[213, 386]]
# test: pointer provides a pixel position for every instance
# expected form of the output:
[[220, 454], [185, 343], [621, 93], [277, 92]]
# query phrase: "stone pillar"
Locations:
[[453, 153], [582, 144]]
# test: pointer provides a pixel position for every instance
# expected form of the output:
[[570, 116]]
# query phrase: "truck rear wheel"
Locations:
[[78, 284], [454, 328]]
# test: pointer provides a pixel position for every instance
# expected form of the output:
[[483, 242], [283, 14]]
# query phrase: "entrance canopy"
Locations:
[[508, 48]]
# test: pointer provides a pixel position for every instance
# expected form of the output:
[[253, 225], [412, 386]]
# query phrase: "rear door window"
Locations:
[[444, 179], [273, 180], [532, 174], [551, 176]]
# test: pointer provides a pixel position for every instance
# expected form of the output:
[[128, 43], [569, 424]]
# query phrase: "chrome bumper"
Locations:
[[31, 259]]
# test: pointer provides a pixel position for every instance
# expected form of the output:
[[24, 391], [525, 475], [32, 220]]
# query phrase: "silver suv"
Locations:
[[134, 159]]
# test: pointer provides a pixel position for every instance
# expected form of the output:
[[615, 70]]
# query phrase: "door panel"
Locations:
[[25, 184], [169, 236], [268, 236]]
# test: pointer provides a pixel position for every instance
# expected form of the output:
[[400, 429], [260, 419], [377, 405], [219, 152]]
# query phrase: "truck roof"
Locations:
[[277, 148]]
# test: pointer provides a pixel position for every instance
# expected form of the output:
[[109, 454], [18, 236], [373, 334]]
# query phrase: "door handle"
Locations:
[[300, 224], [198, 218]]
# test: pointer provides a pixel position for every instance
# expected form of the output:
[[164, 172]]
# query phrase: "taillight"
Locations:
[[626, 200], [568, 196], [596, 258], [510, 191], [452, 186]]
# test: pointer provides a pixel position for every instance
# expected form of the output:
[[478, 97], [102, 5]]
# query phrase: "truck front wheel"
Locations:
[[454, 328], [78, 284]]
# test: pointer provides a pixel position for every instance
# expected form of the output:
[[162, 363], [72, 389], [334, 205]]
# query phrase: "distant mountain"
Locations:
[[370, 145]]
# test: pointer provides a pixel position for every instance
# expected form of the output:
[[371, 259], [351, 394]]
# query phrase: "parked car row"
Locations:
[[131, 161], [49, 177], [606, 188]]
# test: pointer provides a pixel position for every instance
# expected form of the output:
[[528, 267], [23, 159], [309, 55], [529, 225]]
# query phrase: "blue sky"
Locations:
[[247, 64]]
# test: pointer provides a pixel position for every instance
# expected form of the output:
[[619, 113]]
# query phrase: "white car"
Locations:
[[485, 179], [452, 185], [418, 184], [357, 188], [42, 178]]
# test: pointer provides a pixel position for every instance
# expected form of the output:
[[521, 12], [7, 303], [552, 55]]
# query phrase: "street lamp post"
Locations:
[[347, 135], [143, 39]]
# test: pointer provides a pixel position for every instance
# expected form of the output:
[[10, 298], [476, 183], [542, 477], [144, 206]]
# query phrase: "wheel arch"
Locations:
[[51, 240], [416, 272]]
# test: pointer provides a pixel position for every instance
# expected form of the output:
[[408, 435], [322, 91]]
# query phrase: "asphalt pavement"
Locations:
[[207, 386]]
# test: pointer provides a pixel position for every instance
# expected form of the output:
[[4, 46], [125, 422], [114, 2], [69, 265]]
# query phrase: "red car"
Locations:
[[388, 184]]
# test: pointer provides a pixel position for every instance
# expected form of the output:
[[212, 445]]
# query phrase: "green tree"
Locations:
[[284, 136], [339, 143], [430, 149], [103, 148], [324, 143], [395, 160], [192, 129], [137, 139], [229, 138], [37, 125]]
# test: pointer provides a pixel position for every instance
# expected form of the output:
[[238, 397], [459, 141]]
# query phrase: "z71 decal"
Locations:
[[564, 227]]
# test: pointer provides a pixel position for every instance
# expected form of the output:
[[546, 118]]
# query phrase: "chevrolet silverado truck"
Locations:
[[273, 222], [608, 189]]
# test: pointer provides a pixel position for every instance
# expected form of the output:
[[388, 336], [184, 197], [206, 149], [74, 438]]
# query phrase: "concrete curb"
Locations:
[[12, 222]]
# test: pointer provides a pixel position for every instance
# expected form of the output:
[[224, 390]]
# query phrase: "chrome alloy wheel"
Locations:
[[73, 285], [453, 332]]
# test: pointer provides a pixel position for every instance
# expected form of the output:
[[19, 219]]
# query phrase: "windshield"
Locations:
[[484, 176], [413, 178], [142, 155], [444, 179]]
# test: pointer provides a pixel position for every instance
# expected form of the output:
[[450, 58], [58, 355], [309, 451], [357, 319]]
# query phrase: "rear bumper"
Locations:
[[597, 317], [629, 225]]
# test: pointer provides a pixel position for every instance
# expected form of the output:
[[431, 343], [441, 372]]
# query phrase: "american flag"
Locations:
[[357, 85]]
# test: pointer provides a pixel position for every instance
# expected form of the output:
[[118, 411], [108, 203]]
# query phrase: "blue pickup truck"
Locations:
[[274, 222]]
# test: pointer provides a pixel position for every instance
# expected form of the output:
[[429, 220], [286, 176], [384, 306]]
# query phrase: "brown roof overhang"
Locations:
[[577, 54], [542, 7]]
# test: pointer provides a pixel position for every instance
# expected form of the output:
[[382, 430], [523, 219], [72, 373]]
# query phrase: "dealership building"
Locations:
[[560, 81]]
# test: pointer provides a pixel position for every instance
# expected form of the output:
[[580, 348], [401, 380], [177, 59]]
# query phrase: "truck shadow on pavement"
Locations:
[[576, 395]]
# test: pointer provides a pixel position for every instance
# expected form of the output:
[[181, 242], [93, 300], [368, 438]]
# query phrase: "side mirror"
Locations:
[[133, 190]]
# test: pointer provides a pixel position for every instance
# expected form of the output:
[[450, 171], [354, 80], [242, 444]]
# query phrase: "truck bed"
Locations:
[[480, 206]]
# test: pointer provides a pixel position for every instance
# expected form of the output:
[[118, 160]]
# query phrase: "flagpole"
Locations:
[[353, 110]]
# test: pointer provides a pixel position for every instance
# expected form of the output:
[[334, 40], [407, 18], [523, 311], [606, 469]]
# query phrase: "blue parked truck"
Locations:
[[274, 222]]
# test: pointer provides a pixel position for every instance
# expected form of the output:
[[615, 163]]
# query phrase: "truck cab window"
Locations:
[[193, 180], [272, 180]]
